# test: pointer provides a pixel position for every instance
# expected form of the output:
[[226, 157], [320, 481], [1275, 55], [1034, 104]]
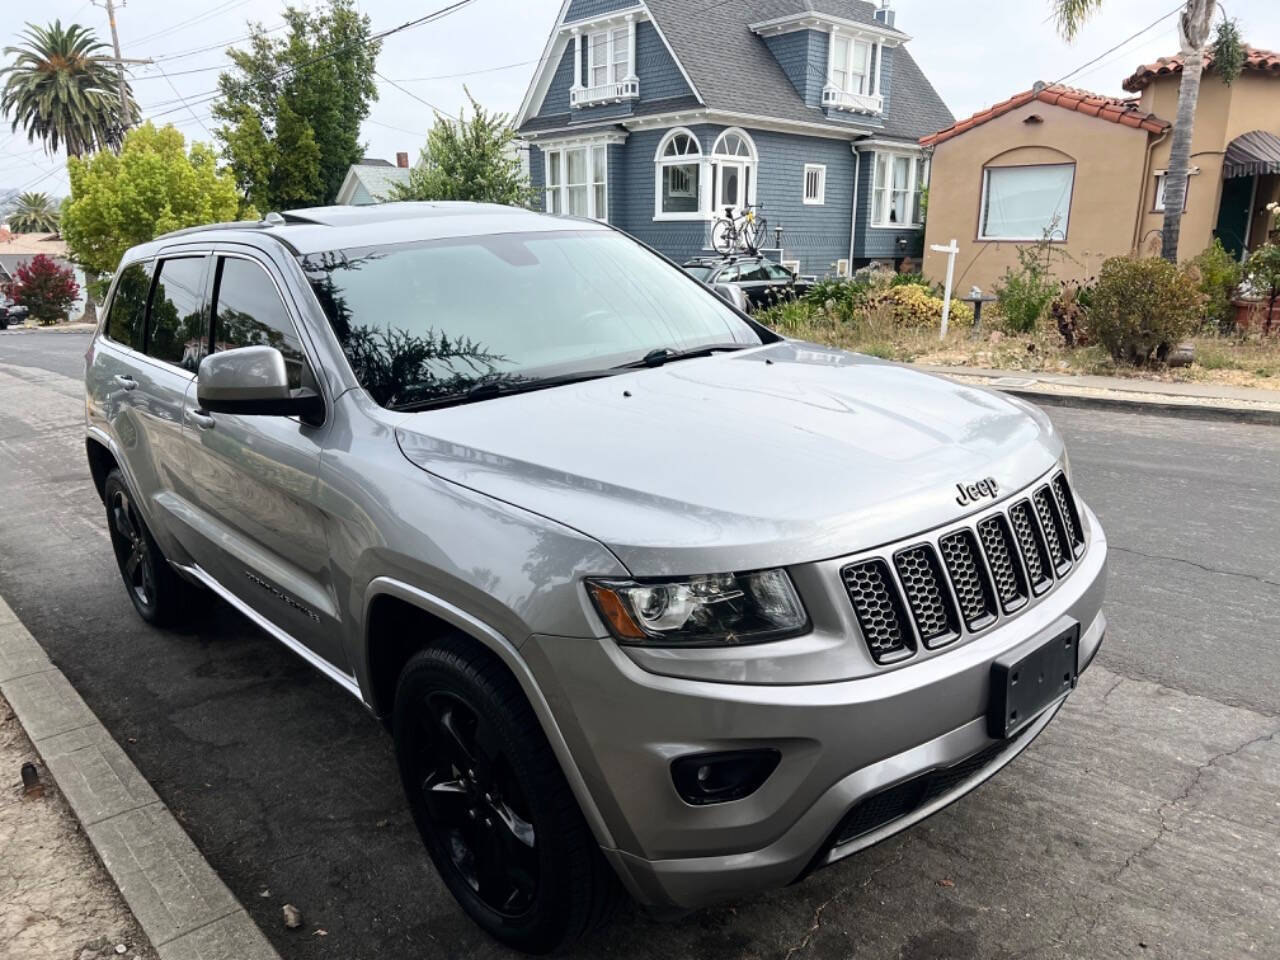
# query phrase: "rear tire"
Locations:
[[492, 805], [160, 596], [724, 237]]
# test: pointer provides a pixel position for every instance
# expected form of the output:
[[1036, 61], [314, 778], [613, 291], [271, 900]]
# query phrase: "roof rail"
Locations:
[[250, 225]]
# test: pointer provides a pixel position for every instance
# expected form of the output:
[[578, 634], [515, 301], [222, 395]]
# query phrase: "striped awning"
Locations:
[[1251, 154]]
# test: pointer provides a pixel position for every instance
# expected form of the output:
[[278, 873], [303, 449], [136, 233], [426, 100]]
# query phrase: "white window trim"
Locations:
[[913, 177], [704, 177], [749, 163], [1161, 178], [610, 54], [821, 199], [554, 153], [982, 206]]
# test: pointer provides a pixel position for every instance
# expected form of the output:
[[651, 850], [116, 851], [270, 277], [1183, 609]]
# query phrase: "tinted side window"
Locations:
[[250, 313], [753, 273], [129, 305], [177, 331]]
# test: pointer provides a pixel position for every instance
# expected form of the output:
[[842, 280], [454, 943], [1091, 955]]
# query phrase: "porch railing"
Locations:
[[605, 93], [872, 103]]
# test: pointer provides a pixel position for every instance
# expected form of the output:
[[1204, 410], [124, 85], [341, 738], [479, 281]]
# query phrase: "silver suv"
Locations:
[[652, 598]]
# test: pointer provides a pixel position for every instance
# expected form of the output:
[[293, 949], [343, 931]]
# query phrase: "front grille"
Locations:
[[967, 578], [880, 614], [905, 798], [1070, 516], [1002, 554], [926, 592], [1054, 535], [973, 590]]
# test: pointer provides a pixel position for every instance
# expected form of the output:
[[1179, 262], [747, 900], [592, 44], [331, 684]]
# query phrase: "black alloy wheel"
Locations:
[[477, 810], [492, 805], [159, 594]]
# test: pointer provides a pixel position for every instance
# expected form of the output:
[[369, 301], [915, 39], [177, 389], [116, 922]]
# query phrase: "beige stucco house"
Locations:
[[1089, 170]]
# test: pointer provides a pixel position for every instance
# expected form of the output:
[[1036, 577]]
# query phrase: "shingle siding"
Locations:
[[803, 58], [582, 9], [556, 101], [660, 76]]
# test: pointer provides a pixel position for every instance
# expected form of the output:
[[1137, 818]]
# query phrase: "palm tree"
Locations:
[[33, 213], [61, 87], [1194, 23]]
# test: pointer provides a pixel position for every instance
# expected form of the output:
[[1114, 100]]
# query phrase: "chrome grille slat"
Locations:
[[927, 595], [880, 613], [935, 591], [969, 578]]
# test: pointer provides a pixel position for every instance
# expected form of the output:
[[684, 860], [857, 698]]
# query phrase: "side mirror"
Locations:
[[253, 381], [734, 295]]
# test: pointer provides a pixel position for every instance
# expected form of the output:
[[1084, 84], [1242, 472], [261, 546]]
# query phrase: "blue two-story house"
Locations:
[[656, 115]]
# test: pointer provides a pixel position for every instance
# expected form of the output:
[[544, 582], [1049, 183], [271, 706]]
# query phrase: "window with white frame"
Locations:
[[850, 64], [679, 176], [608, 56], [1162, 181], [1026, 203], [899, 180], [733, 171], [815, 184], [577, 181]]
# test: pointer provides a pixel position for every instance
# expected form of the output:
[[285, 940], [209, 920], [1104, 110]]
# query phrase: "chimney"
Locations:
[[402, 160], [885, 14]]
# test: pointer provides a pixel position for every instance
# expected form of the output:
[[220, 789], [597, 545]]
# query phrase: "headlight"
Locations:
[[1065, 464], [713, 610]]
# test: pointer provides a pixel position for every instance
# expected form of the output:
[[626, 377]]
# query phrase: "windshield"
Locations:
[[424, 321], [697, 271]]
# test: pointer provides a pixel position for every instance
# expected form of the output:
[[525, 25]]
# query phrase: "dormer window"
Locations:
[[850, 64], [610, 62]]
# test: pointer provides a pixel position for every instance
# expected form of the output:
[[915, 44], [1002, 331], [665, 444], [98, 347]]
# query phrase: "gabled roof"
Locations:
[[732, 71], [378, 178], [1262, 61], [1123, 112]]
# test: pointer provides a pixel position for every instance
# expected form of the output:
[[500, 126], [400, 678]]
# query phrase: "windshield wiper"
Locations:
[[662, 355], [489, 389]]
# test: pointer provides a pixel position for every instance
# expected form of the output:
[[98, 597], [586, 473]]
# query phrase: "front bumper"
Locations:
[[841, 742]]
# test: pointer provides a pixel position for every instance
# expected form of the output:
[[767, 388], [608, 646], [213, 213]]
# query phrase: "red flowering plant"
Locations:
[[45, 289]]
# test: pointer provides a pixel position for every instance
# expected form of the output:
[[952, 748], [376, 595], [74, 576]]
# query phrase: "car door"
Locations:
[[754, 281], [257, 529], [145, 380]]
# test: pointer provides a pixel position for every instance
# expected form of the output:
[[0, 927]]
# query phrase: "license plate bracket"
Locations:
[[1030, 677]]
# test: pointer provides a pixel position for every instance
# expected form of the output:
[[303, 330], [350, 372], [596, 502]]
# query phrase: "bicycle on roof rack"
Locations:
[[740, 234]]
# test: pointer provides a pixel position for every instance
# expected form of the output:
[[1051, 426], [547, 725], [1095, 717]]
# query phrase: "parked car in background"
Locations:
[[763, 281], [652, 598], [11, 314]]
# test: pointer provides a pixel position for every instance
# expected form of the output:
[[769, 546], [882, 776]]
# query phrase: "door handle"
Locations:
[[127, 383], [201, 421]]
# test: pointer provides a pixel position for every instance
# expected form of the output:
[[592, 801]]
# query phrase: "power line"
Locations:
[[174, 88], [183, 54], [410, 93], [224, 7], [1151, 26]]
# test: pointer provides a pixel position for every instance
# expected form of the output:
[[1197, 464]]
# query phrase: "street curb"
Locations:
[[182, 905], [56, 328], [1181, 411]]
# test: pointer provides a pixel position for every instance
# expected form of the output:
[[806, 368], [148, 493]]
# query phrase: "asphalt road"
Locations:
[[1144, 822]]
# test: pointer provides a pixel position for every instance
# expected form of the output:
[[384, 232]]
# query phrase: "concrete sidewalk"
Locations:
[[53, 328], [1202, 401]]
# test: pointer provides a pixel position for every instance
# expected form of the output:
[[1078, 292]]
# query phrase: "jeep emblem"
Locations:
[[973, 492]]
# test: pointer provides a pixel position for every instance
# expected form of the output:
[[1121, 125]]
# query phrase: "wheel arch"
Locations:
[[387, 601], [101, 462]]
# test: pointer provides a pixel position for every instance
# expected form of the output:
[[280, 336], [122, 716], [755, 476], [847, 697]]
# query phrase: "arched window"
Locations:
[[679, 166], [733, 171]]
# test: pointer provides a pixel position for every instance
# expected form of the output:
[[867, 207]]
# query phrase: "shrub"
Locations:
[[1070, 310], [910, 280], [913, 307], [788, 316], [1025, 292], [1219, 275], [1263, 270], [874, 275], [1141, 308], [45, 289], [838, 295]]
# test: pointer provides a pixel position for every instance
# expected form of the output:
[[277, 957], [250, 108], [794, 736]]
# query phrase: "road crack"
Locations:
[[1199, 566], [812, 932]]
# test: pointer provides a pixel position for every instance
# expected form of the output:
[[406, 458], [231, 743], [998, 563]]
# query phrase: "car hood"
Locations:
[[779, 455]]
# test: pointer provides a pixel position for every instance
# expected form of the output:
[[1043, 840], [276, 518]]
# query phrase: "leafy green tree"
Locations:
[[45, 289], [32, 213], [1194, 23], [61, 90], [292, 107], [469, 159], [1263, 271], [153, 186]]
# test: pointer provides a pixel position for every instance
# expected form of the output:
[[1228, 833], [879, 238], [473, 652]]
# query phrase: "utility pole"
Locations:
[[126, 120]]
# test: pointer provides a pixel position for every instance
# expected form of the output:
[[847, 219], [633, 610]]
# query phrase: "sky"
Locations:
[[974, 53]]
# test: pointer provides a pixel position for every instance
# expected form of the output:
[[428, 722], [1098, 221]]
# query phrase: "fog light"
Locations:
[[703, 778]]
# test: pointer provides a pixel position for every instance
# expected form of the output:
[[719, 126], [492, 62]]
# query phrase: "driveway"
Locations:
[[1144, 822]]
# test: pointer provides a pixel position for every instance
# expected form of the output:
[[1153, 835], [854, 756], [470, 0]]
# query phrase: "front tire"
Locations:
[[492, 805], [160, 596]]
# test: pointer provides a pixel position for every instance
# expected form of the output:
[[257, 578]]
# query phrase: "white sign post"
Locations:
[[950, 250]]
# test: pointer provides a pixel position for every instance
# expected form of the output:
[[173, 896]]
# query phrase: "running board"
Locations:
[[344, 680]]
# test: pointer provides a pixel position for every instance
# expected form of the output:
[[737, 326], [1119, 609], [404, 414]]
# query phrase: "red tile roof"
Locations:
[[1124, 112], [1265, 61]]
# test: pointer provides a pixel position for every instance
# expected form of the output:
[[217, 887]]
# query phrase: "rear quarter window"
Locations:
[[128, 307]]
